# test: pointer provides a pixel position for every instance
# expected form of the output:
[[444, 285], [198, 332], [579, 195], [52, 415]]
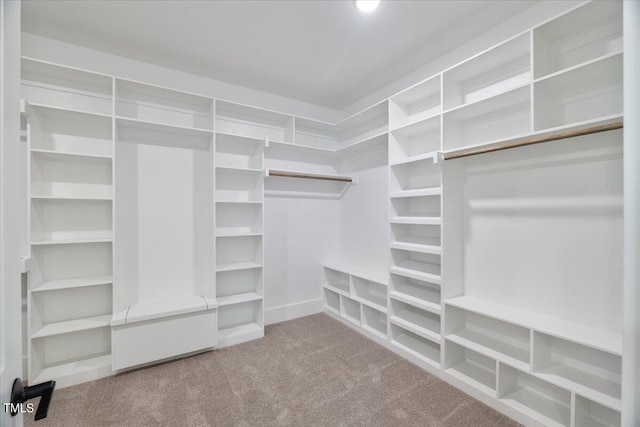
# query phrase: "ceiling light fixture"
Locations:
[[367, 6]]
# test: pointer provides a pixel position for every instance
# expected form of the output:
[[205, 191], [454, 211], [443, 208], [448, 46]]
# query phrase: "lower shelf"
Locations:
[[421, 348], [75, 372], [239, 334]]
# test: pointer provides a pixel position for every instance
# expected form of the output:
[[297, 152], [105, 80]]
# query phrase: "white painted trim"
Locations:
[[292, 311]]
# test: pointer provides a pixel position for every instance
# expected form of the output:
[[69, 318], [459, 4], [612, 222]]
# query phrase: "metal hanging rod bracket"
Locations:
[[533, 140]]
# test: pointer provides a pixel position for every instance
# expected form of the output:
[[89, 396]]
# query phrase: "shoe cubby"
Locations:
[[498, 70], [418, 293], [500, 117], [239, 185], [420, 322], [237, 282], [65, 88], [55, 175], [412, 142], [416, 265], [421, 348], [240, 218], [238, 251], [591, 414], [374, 321], [589, 32], [579, 95], [242, 120], [336, 279], [158, 105], [544, 402], [63, 220], [331, 300], [471, 367], [69, 310], [491, 337], [416, 210], [370, 293], [417, 237], [73, 265], [238, 152], [417, 103], [414, 176], [71, 132], [350, 309], [588, 371]]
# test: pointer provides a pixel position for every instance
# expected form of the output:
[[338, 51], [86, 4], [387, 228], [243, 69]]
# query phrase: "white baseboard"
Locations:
[[292, 311]]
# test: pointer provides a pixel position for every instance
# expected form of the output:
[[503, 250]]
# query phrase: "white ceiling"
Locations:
[[322, 52]]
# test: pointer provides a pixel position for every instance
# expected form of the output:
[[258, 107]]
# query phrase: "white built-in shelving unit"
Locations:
[[504, 272]]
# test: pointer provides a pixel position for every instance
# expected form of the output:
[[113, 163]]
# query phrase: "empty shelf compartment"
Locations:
[[414, 176], [238, 249], [421, 322], [418, 238], [544, 402], [350, 309], [588, 371], [238, 282], [54, 219], [419, 347], [416, 103], [415, 141], [331, 300], [592, 414], [370, 293], [238, 315], [374, 321], [238, 152], [238, 185], [471, 367], [416, 210], [252, 122], [416, 265], [238, 218], [490, 337], [336, 279], [418, 293]]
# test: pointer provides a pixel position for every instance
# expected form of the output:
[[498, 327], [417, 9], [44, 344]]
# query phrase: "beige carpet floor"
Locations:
[[312, 371]]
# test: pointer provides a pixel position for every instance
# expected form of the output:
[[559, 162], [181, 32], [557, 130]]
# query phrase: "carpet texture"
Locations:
[[312, 371]]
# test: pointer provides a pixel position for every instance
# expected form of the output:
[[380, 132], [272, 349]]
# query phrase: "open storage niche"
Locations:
[[416, 237], [416, 265], [374, 321], [471, 367], [54, 220], [413, 142], [418, 293], [242, 120], [241, 218], [154, 104], [72, 357], [370, 293], [592, 414], [238, 251], [591, 92], [591, 372], [66, 88], [364, 125], [414, 176], [55, 175], [491, 337], [239, 282], [238, 152], [70, 265], [421, 348], [416, 210], [162, 257], [415, 104], [336, 279], [312, 133], [591, 31], [239, 320], [420, 322], [239, 185], [350, 309], [331, 300], [498, 70], [547, 403], [62, 131], [500, 117], [69, 310]]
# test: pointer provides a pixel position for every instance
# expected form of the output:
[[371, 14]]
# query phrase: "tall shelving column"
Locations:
[[415, 222], [71, 193]]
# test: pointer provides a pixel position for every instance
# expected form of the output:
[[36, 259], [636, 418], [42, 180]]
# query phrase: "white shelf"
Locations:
[[490, 347], [232, 169], [235, 332], [418, 347], [417, 220], [239, 298], [476, 375], [596, 338], [433, 156], [80, 282], [417, 246], [53, 154], [240, 202], [70, 326], [538, 406], [418, 270], [378, 277], [238, 266], [336, 290], [86, 369], [417, 193], [240, 234], [417, 298], [418, 330], [72, 241], [161, 308], [46, 197], [126, 123]]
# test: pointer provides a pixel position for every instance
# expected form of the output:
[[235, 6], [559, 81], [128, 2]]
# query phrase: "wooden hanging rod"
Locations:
[[309, 176], [534, 140]]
